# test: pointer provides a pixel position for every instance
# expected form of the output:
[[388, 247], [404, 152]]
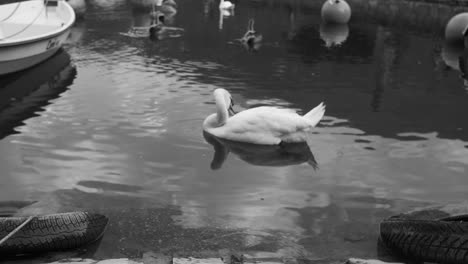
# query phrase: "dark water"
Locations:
[[113, 124]]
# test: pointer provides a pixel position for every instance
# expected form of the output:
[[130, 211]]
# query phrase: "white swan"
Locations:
[[226, 5], [260, 125]]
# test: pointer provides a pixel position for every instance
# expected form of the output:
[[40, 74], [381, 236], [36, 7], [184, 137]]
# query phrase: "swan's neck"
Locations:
[[251, 26], [221, 111], [223, 101], [222, 1]]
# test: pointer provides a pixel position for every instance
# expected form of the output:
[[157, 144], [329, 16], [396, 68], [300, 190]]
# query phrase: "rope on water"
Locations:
[[28, 25], [14, 11], [16, 229]]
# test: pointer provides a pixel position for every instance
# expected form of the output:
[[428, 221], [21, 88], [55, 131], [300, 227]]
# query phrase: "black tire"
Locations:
[[51, 232], [440, 241]]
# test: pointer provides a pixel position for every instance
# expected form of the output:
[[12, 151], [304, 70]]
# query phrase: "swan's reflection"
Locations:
[[260, 155], [223, 13]]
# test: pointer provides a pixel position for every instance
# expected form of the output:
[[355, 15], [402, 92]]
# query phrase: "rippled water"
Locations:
[[113, 124]]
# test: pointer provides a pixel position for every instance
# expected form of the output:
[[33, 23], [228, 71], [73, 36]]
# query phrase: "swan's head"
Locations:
[[224, 107]]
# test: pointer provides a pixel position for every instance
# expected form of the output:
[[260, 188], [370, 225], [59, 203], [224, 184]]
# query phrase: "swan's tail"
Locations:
[[316, 114]]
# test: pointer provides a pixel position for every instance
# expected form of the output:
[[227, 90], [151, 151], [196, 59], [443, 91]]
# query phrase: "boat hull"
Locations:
[[18, 64], [25, 51]]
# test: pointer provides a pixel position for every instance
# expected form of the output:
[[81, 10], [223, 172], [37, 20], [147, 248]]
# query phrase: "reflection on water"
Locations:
[[24, 93], [456, 57], [223, 14], [125, 139], [260, 155], [334, 34]]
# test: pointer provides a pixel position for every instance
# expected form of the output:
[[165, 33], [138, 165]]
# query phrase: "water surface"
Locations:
[[115, 127]]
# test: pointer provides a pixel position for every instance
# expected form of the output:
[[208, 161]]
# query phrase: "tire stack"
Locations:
[[443, 240]]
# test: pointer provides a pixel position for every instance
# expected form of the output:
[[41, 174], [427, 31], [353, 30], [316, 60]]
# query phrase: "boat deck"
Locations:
[[23, 19]]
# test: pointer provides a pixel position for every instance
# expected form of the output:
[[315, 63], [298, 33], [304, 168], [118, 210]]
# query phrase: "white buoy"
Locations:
[[79, 6], [336, 12], [333, 34], [455, 28]]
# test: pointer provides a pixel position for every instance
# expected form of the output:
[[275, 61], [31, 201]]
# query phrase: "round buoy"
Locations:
[[336, 12], [333, 34], [455, 28], [79, 6]]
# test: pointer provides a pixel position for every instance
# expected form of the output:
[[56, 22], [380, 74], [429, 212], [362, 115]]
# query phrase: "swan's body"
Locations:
[[159, 31], [261, 125], [225, 5]]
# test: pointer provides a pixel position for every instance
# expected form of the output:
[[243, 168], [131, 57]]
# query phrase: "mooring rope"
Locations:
[[14, 11], [28, 25], [16, 229]]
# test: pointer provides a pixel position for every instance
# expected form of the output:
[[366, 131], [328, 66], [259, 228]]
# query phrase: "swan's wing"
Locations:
[[265, 125]]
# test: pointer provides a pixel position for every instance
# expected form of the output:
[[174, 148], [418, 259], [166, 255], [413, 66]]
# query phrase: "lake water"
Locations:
[[112, 124]]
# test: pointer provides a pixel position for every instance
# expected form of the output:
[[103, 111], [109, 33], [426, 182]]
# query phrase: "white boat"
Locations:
[[32, 31]]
